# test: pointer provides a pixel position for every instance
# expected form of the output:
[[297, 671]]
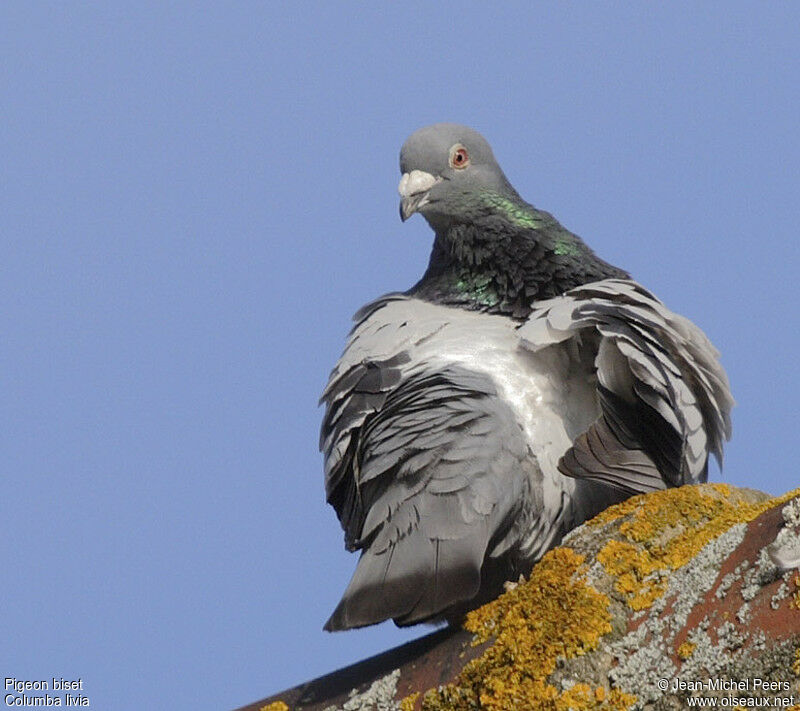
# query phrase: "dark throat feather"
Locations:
[[504, 255]]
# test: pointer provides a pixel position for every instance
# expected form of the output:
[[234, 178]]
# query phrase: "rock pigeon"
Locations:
[[519, 388]]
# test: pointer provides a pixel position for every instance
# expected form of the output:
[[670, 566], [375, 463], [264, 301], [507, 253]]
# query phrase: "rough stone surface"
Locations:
[[677, 587], [380, 696]]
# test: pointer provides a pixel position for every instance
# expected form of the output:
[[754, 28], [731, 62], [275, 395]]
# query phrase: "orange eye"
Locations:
[[459, 158]]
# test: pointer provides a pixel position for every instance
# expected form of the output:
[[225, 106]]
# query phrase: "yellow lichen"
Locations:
[[408, 703], [795, 603], [275, 706], [638, 574], [686, 650], [585, 698], [796, 662], [664, 530], [556, 614]]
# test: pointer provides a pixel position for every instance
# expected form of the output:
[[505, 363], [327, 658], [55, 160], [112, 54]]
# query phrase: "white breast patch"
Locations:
[[552, 393]]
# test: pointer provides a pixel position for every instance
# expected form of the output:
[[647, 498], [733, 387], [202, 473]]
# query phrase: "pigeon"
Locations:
[[519, 388]]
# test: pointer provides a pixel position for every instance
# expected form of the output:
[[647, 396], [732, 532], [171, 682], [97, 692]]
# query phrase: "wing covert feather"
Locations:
[[427, 468], [665, 399]]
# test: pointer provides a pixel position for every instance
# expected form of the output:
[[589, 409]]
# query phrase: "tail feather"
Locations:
[[413, 580]]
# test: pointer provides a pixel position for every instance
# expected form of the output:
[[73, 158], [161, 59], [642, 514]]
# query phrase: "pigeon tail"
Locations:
[[412, 581]]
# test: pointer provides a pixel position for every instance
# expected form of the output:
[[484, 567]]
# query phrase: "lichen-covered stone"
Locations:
[[555, 615], [673, 585], [380, 696], [654, 588], [275, 706]]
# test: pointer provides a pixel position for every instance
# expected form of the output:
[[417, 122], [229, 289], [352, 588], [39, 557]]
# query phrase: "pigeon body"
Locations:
[[519, 388]]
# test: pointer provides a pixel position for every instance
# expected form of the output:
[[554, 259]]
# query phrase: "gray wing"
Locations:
[[664, 398], [426, 467]]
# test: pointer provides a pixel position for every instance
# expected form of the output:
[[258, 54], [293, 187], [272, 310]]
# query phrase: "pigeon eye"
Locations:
[[459, 158]]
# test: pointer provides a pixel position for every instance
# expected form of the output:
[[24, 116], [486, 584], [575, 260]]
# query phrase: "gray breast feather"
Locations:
[[427, 468], [436, 482], [448, 485], [665, 399]]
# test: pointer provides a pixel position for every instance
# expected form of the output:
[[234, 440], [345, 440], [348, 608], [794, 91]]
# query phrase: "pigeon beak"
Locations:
[[413, 189]]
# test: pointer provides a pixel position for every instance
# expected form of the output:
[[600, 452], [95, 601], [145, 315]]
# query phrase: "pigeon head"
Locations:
[[446, 168]]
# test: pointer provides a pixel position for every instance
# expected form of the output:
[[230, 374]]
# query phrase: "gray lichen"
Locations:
[[791, 513], [379, 697], [780, 594], [743, 613], [730, 578], [784, 551], [642, 655], [761, 574], [690, 584]]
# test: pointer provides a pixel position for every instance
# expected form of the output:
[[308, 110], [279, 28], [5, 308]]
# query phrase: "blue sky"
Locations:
[[194, 200]]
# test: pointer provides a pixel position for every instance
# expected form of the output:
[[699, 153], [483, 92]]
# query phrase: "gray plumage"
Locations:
[[519, 388]]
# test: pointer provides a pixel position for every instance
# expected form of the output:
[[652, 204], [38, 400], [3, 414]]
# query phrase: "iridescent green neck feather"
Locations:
[[499, 254], [478, 288], [517, 213]]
